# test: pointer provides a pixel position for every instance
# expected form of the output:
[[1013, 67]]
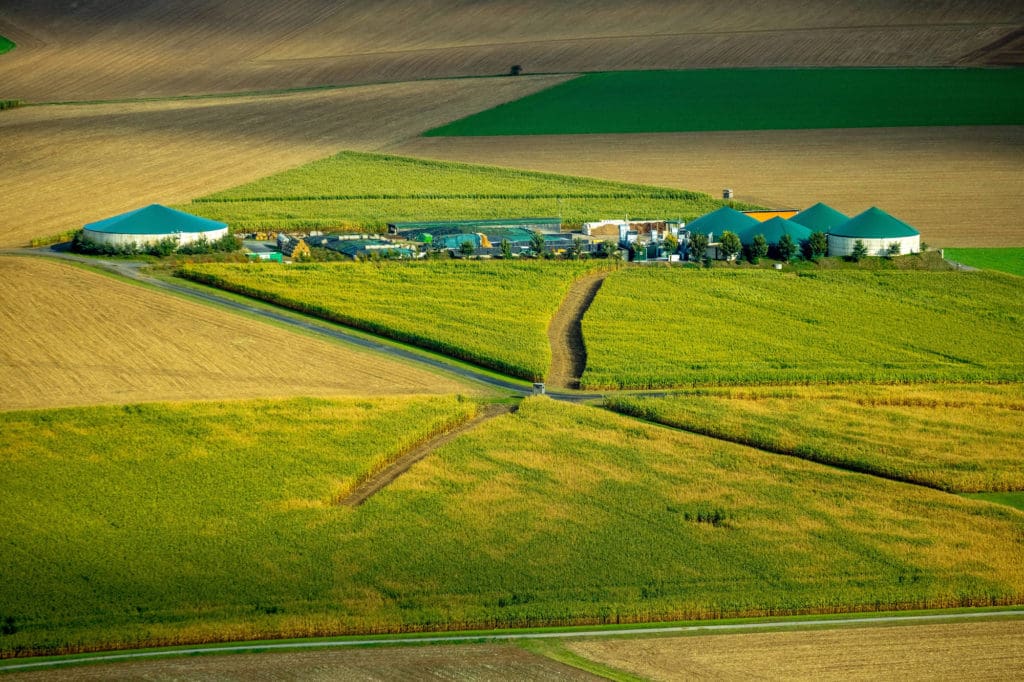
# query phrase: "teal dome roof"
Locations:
[[874, 223], [773, 230], [820, 217], [154, 219], [722, 220]]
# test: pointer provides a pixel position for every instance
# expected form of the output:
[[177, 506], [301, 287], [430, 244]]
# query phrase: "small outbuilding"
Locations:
[[820, 218], [153, 224], [877, 230]]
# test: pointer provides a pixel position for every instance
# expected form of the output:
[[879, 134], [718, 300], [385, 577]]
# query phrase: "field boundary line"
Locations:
[[389, 474], [455, 638]]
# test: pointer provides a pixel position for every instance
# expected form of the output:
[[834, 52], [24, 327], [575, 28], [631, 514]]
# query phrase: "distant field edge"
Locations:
[[756, 99], [1009, 260], [690, 627]]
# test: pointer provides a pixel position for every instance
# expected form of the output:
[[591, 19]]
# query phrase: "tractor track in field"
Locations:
[[565, 333], [384, 478]]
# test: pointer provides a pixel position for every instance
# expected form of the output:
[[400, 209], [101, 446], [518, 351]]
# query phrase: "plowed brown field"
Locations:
[[151, 48], [960, 651], [68, 165], [73, 337], [957, 186]]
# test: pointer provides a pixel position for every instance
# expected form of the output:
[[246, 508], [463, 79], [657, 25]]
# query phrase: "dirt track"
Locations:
[[565, 333]]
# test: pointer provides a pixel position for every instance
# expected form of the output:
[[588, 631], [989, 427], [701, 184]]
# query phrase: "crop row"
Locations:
[[494, 314], [959, 437], [663, 327]]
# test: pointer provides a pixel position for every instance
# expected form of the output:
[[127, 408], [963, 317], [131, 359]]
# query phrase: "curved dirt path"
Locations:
[[376, 483], [565, 333]]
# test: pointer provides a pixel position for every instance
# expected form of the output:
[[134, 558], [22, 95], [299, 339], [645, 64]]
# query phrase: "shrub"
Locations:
[[729, 244]]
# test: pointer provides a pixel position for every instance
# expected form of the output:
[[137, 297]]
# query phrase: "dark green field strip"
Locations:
[[6, 45], [1010, 260], [756, 99]]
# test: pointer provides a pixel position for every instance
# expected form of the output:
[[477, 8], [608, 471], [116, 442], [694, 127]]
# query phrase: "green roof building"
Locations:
[[820, 218], [722, 220], [878, 231], [151, 224]]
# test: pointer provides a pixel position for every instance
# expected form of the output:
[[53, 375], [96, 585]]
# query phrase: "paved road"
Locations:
[[456, 638]]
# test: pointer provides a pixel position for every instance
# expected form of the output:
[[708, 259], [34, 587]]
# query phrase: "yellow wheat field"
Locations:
[[974, 650], [73, 337], [151, 48], [69, 165], [959, 186]]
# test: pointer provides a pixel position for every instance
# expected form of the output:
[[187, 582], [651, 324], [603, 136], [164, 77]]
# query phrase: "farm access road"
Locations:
[[135, 271], [477, 637]]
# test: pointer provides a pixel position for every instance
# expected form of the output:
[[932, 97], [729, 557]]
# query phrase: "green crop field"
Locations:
[[756, 99], [355, 191], [213, 522], [1009, 260], [955, 437], [6, 45], [493, 313], [154, 514], [663, 327]]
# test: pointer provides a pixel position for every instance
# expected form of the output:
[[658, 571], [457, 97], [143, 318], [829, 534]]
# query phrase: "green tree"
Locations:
[[537, 243], [729, 244], [576, 249], [697, 247], [610, 249], [817, 245], [758, 249], [893, 249], [671, 243], [786, 248], [467, 248], [859, 251], [506, 249]]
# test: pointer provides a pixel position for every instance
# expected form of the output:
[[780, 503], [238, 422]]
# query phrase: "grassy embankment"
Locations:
[[214, 522], [756, 99], [492, 313], [763, 327], [353, 191], [1009, 260], [955, 437]]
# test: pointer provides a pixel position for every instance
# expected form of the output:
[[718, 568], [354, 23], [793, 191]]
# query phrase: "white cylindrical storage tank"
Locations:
[[877, 230], [153, 224]]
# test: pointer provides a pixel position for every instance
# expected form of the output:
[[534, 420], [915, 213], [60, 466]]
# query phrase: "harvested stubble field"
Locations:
[[724, 326], [73, 337], [152, 48], [940, 180], [379, 664], [68, 165], [353, 191], [956, 437], [964, 651], [552, 515], [493, 313]]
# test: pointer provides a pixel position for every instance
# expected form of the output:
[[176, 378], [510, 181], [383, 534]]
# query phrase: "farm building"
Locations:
[[152, 224], [773, 229], [723, 220], [820, 218], [413, 230], [877, 230]]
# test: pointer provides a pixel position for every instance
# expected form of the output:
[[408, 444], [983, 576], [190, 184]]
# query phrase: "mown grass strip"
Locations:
[[664, 327], [756, 99], [958, 438], [1009, 260]]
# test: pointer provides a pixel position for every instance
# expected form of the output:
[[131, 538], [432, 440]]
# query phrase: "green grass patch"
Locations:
[[172, 524], [756, 99], [492, 313], [664, 327], [1009, 260], [355, 192], [955, 437], [6, 45], [1013, 499]]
